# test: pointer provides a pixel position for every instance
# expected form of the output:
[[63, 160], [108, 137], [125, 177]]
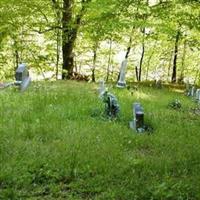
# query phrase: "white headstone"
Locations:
[[101, 87], [193, 91], [121, 82]]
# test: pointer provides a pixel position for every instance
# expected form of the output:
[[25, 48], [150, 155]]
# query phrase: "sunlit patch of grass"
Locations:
[[55, 144]]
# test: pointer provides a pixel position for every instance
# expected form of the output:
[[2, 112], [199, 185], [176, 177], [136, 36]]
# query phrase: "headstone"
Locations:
[[187, 88], [22, 77], [101, 87], [199, 98], [138, 121], [121, 82], [192, 91], [111, 105], [197, 94]]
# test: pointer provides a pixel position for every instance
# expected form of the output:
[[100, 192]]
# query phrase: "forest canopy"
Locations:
[[63, 38]]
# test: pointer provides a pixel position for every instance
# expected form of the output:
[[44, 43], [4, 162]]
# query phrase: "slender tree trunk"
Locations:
[[173, 80], [169, 65], [129, 47], [142, 57], [109, 61], [183, 62], [149, 60], [58, 15], [16, 59], [15, 54], [136, 73], [57, 53], [94, 64]]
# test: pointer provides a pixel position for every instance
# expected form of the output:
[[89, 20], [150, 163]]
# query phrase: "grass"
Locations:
[[55, 144]]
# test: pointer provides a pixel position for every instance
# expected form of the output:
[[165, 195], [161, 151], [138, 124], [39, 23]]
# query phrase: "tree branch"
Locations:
[[47, 30]]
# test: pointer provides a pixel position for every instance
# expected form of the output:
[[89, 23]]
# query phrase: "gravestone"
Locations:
[[121, 82], [192, 93], [198, 95], [101, 87], [138, 121], [187, 88], [22, 77], [111, 105]]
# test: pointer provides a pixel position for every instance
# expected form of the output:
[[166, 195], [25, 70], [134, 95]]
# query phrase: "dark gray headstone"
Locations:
[[198, 95], [138, 121], [112, 107]]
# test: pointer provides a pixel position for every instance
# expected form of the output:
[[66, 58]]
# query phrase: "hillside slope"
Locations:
[[56, 144]]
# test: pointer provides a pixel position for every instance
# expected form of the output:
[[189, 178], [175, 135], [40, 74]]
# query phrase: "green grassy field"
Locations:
[[55, 144]]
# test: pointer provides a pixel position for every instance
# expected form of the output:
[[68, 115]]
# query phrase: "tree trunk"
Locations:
[[169, 66], [173, 80], [109, 61], [94, 64], [70, 26], [149, 60], [136, 73], [16, 59], [57, 52], [183, 62], [68, 38], [58, 14], [142, 57]]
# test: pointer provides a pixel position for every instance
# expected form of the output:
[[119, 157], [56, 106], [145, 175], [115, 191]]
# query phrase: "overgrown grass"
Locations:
[[55, 144]]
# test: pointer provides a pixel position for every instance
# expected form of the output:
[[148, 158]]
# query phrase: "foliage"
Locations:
[[31, 31]]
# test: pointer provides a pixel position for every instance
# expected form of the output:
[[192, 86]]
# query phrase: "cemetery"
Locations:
[[55, 137], [99, 100], [49, 128]]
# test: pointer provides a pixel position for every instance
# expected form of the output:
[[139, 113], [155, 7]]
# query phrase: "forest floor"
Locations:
[[56, 144]]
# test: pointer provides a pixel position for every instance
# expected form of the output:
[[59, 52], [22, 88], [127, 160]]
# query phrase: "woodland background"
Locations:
[[70, 38]]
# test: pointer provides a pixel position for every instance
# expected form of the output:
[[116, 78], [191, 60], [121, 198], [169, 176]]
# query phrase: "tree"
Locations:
[[71, 22]]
